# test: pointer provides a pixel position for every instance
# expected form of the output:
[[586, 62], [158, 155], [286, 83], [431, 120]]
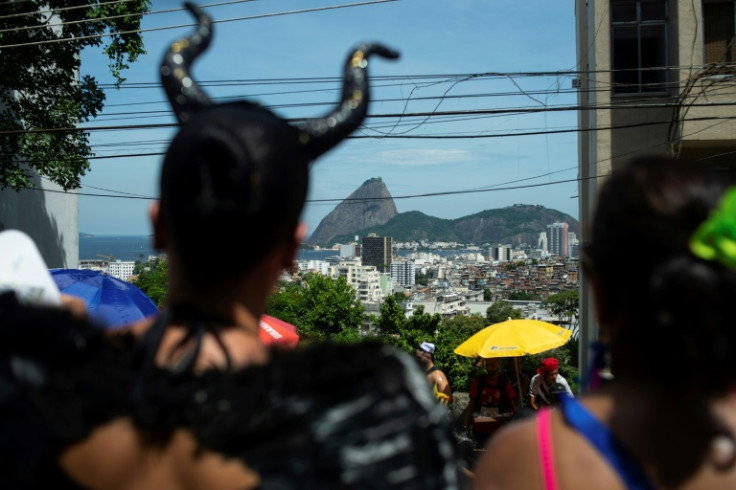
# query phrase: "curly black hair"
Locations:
[[659, 301]]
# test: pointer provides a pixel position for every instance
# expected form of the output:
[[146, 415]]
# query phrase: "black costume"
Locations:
[[345, 416], [332, 416]]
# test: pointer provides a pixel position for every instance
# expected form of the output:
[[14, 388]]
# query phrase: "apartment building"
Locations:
[[655, 77], [403, 272], [377, 251], [121, 269], [365, 279], [557, 239]]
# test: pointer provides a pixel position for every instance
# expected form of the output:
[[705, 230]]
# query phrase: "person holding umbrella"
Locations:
[[661, 258], [547, 385]]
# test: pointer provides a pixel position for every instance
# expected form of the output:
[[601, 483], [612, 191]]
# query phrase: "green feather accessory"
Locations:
[[715, 238]]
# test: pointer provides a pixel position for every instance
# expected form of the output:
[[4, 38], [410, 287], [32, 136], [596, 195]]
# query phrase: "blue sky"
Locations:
[[518, 41]]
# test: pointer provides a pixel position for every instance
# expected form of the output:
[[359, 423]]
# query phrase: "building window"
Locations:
[[639, 41], [718, 31]]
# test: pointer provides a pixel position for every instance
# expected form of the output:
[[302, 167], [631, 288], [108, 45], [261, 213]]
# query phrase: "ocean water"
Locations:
[[131, 247], [125, 248], [139, 247]]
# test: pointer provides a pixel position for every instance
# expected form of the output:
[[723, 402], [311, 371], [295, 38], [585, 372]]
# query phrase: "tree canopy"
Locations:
[[500, 311], [322, 308], [153, 279], [43, 95], [565, 306]]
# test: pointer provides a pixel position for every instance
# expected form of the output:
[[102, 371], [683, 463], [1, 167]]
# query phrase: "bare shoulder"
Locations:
[[510, 460], [437, 376]]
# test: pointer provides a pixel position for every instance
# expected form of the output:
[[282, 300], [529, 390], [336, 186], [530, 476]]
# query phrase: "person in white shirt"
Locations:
[[547, 384]]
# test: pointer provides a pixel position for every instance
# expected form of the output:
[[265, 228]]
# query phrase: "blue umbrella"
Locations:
[[110, 301]]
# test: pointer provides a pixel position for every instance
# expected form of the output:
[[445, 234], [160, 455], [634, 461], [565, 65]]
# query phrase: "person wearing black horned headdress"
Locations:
[[193, 400], [233, 184]]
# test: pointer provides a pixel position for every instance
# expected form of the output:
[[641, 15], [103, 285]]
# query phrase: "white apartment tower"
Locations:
[[403, 272], [557, 239], [502, 253], [542, 242]]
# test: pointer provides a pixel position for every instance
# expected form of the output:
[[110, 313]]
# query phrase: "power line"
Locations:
[[152, 29], [70, 22], [60, 9], [370, 116], [485, 188], [483, 136], [468, 112], [103, 18], [411, 196]]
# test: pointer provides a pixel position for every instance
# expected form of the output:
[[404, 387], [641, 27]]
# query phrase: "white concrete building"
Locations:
[[365, 279], [403, 272], [319, 266], [451, 304], [121, 269], [557, 239], [542, 242], [501, 253]]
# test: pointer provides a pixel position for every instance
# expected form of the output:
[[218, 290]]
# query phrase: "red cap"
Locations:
[[549, 364]]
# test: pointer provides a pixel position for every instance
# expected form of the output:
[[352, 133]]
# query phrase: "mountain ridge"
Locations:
[[509, 225], [371, 209]]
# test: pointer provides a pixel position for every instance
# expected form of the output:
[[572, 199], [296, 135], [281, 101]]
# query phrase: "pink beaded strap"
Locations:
[[546, 452]]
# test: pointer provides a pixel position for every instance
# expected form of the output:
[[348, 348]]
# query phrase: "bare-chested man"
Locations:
[[437, 379]]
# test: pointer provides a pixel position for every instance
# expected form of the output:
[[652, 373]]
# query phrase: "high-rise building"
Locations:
[[376, 251], [502, 253], [572, 244], [557, 239], [403, 272], [542, 242]]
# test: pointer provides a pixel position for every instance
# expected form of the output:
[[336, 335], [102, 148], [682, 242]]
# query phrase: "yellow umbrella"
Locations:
[[514, 338]]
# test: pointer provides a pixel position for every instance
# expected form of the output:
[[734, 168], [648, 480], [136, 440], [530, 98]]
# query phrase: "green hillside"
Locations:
[[412, 225], [520, 223]]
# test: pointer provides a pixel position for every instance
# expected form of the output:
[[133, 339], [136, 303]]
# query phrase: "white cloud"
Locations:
[[420, 157]]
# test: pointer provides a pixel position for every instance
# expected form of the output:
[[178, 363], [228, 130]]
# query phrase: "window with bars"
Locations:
[[718, 31], [639, 46]]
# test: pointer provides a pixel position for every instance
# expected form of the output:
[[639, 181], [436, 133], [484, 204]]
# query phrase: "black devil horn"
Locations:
[[321, 134], [183, 92]]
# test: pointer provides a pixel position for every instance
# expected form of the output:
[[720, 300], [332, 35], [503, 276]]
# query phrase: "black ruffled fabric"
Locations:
[[330, 416], [59, 379]]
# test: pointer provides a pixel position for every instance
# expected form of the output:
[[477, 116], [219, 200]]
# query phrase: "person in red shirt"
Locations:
[[492, 401]]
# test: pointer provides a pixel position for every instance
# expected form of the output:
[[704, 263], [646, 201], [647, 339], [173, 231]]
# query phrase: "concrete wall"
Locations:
[[51, 219]]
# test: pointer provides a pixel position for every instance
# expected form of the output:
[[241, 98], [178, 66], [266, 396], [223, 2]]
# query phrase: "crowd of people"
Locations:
[[193, 399]]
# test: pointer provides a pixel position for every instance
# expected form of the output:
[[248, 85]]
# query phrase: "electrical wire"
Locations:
[[483, 136], [56, 10], [106, 18], [152, 29], [378, 198]]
